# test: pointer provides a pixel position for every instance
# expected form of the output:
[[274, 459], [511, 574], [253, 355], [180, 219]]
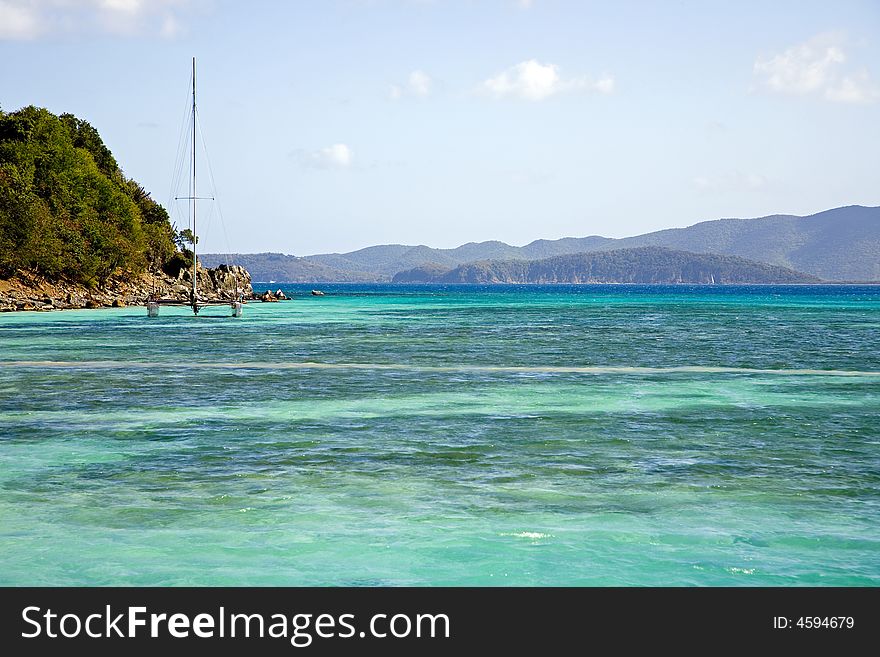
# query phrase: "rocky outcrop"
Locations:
[[269, 296], [27, 291]]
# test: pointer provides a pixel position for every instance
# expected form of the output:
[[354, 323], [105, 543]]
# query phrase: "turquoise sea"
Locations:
[[397, 435]]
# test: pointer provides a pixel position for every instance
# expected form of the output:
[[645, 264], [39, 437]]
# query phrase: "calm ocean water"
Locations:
[[395, 435]]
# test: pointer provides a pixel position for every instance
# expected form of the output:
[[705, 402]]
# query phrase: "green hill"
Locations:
[[842, 244], [639, 265], [836, 245], [67, 211]]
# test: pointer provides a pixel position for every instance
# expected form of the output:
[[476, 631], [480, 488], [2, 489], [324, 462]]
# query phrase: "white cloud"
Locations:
[[125, 6], [531, 80], [525, 4], [418, 84], [337, 156], [817, 68], [604, 85], [854, 88], [18, 20], [30, 19]]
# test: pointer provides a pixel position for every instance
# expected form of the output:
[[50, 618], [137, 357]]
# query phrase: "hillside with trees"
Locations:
[[75, 232], [640, 265], [841, 244], [67, 211]]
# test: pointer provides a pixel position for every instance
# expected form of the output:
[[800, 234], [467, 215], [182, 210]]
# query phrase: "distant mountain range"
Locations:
[[279, 267], [842, 244], [646, 264]]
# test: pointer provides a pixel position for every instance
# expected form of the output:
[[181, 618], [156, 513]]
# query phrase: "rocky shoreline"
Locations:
[[27, 291]]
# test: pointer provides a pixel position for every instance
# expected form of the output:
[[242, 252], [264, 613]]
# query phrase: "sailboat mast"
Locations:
[[195, 238]]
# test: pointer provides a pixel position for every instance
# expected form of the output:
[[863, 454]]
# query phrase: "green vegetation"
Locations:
[[67, 211], [836, 245], [649, 264], [185, 237]]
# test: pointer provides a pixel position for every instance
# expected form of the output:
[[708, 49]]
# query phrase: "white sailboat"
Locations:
[[195, 303]]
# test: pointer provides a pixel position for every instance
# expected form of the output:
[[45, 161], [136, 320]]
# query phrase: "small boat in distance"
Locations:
[[194, 302], [317, 293]]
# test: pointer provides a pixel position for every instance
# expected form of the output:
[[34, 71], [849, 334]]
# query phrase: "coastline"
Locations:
[[30, 292]]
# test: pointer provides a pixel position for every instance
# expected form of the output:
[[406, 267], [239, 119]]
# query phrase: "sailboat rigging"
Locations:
[[194, 302]]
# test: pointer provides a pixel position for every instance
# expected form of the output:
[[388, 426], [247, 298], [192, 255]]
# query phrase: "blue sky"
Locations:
[[333, 125]]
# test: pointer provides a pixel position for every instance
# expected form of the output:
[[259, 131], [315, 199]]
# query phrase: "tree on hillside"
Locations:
[[66, 208]]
